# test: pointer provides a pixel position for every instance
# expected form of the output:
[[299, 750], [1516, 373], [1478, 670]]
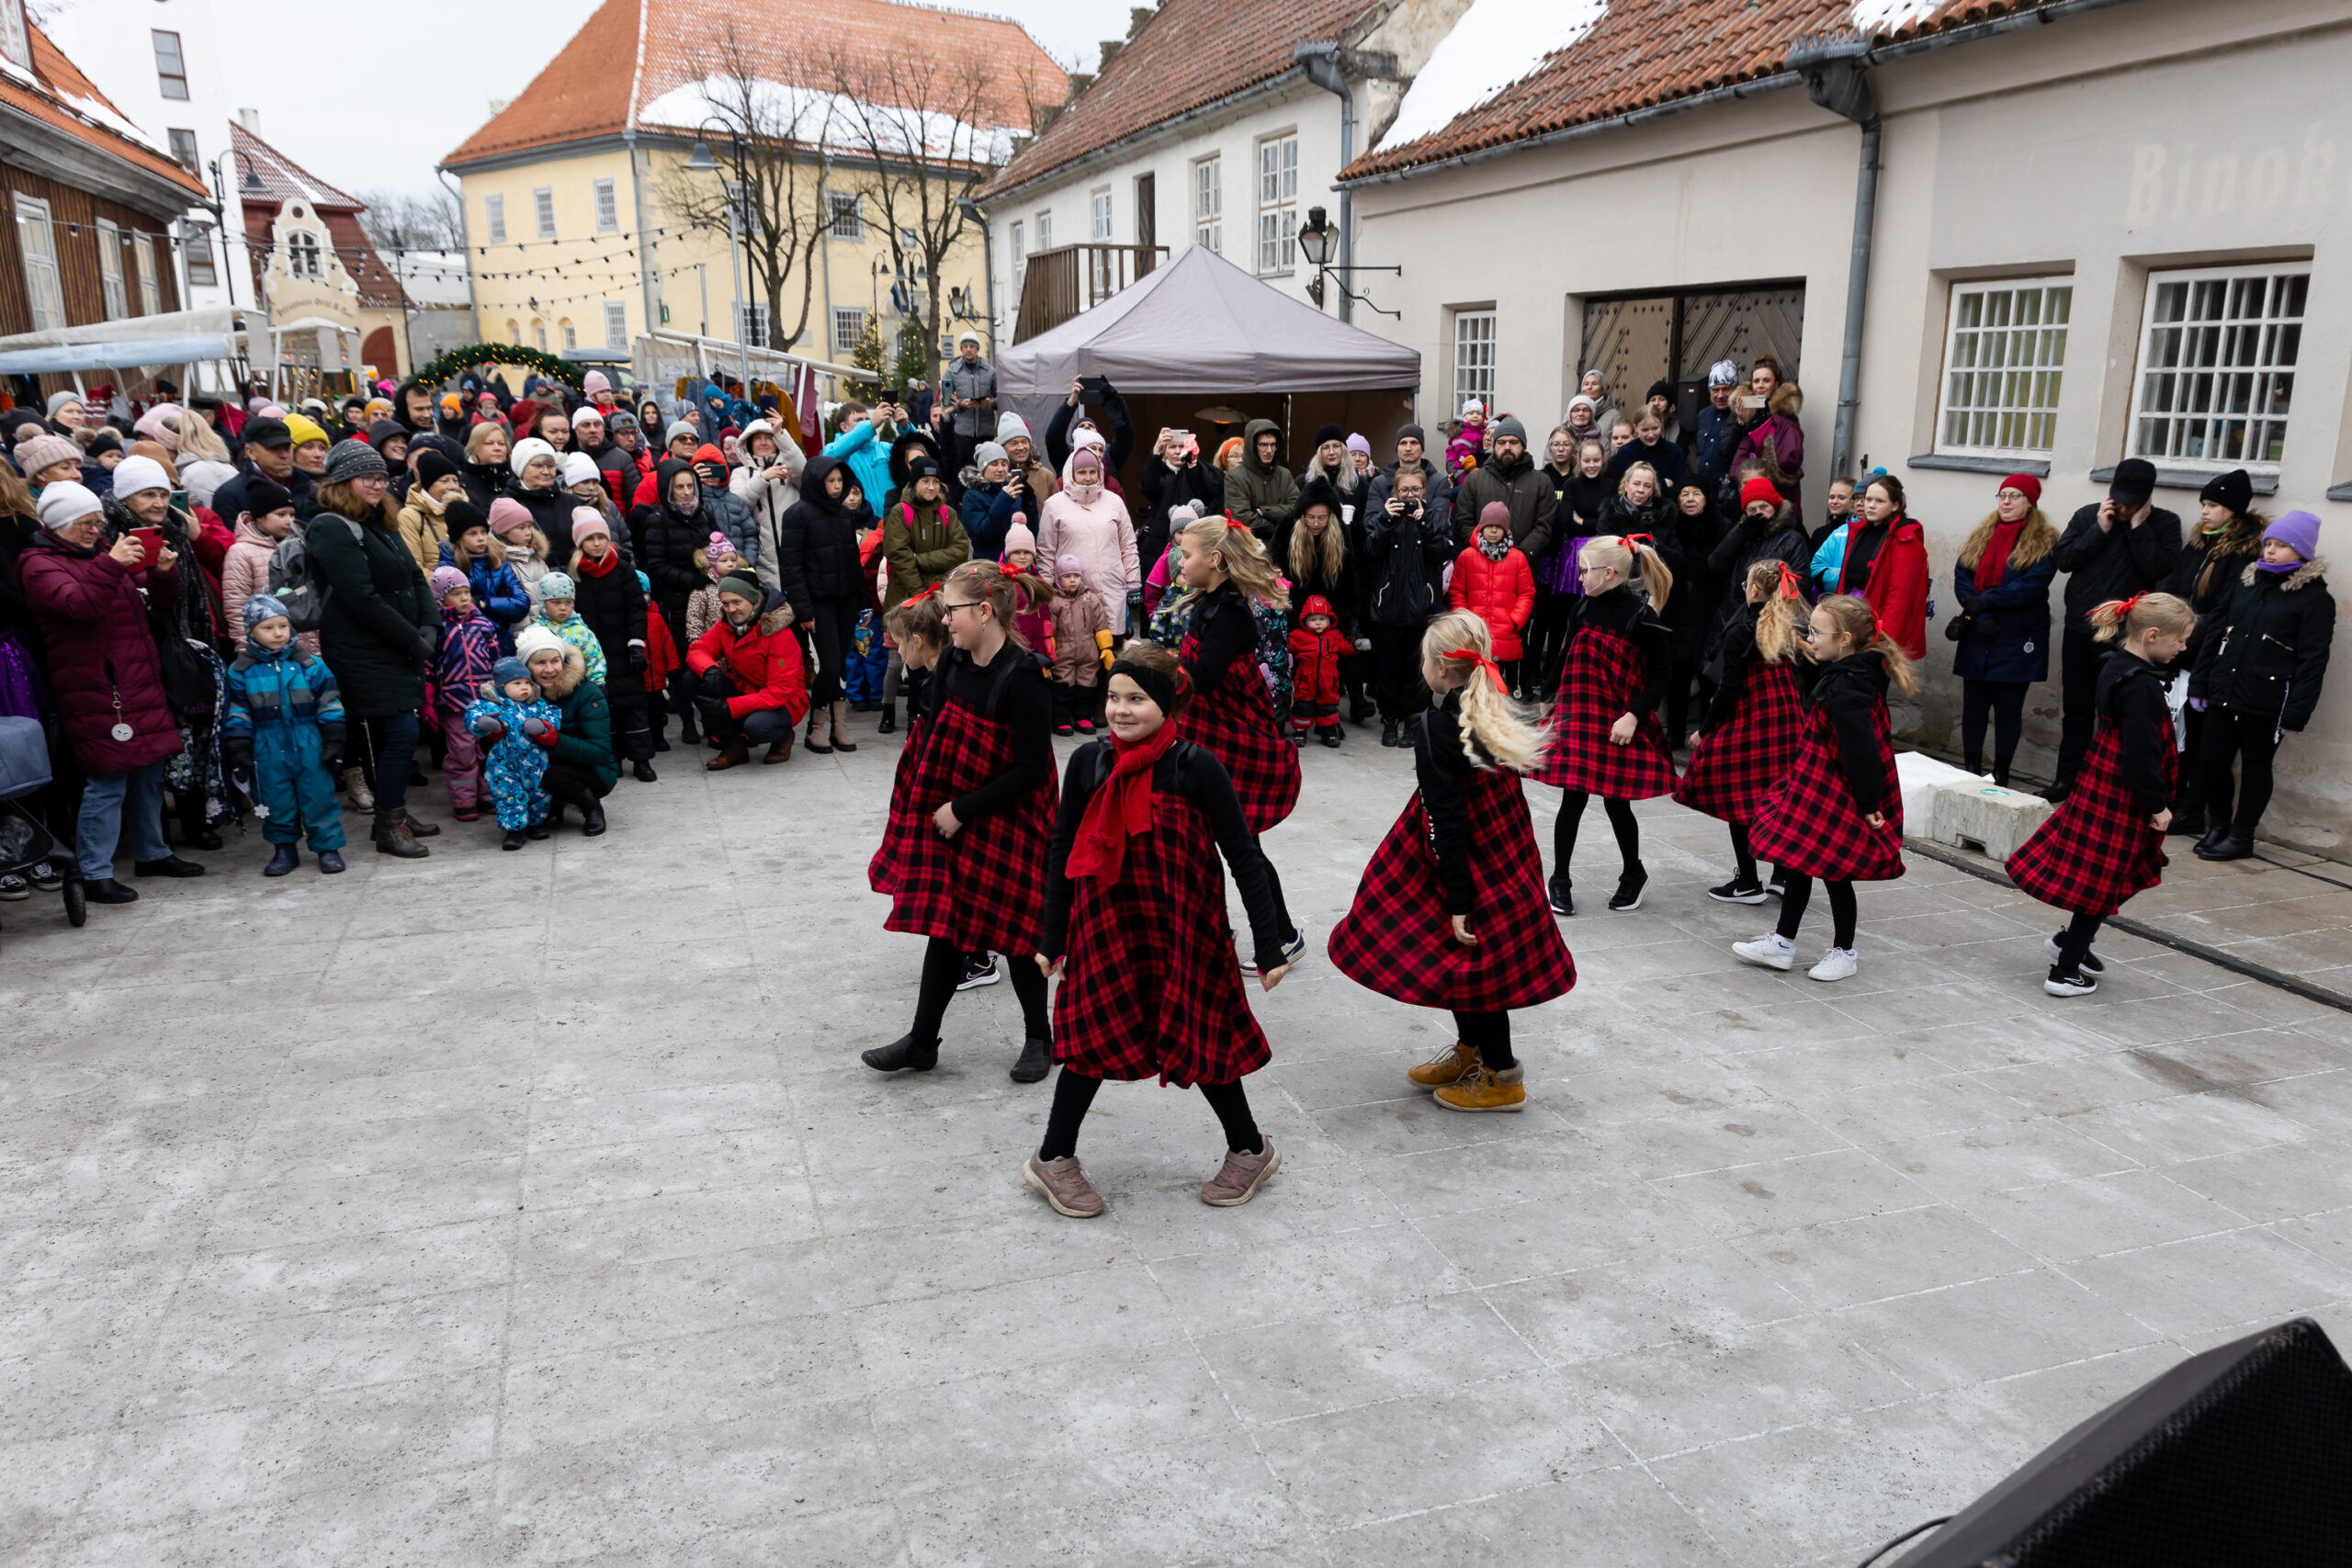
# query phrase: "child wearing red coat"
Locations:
[[1755, 721], [1837, 813], [1493, 581], [2106, 840], [1315, 650], [1886, 564]]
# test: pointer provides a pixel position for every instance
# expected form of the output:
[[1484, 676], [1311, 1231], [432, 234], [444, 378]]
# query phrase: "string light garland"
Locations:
[[457, 361]]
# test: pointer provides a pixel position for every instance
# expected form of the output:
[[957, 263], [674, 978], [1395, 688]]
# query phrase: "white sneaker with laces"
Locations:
[[1771, 951], [1838, 963]]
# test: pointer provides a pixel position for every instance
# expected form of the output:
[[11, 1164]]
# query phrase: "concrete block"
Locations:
[[1919, 775], [1980, 814]]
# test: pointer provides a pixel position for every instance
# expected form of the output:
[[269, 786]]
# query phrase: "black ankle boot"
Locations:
[[2231, 845], [2212, 839], [906, 1054], [1036, 1060]]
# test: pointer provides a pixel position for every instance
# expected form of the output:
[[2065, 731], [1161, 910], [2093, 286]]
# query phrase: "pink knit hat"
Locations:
[[507, 513], [1019, 538]]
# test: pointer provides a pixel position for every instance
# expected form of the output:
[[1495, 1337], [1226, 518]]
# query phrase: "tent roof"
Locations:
[[1198, 324]]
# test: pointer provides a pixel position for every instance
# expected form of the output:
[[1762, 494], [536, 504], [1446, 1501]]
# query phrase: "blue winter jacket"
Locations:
[[275, 696], [2009, 629], [868, 459], [498, 593], [988, 515]]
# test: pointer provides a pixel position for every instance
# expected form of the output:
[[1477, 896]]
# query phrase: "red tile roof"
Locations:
[[1647, 53], [656, 46], [1190, 52], [281, 176], [54, 101], [284, 180]]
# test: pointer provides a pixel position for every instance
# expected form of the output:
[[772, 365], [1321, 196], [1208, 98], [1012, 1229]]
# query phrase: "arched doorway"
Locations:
[[381, 350]]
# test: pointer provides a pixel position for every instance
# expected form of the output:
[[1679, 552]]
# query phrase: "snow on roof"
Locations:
[[808, 114], [1495, 43], [1886, 16]]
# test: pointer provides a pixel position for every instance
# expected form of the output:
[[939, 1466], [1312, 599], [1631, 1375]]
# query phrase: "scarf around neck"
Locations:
[[1120, 808], [1995, 561]]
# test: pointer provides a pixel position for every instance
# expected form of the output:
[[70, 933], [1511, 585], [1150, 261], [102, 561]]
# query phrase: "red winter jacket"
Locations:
[[660, 649], [763, 661], [100, 649], [1500, 592], [1896, 586], [1314, 659]]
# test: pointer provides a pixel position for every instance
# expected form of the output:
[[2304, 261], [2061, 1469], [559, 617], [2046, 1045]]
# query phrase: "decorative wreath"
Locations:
[[457, 361]]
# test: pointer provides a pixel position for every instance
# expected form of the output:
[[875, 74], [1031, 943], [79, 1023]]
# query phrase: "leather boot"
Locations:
[[904, 1055], [392, 838], [735, 756], [2232, 845], [420, 830], [2212, 841], [781, 751], [592, 818]]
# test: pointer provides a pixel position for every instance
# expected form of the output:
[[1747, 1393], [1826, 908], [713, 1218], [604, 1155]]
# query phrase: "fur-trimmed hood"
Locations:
[[1786, 400], [2304, 576], [575, 670]]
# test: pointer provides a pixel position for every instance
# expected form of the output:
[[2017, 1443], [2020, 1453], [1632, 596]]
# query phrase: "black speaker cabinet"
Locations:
[[2238, 1458]]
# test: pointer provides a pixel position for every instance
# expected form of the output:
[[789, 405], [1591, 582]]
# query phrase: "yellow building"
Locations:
[[589, 215]]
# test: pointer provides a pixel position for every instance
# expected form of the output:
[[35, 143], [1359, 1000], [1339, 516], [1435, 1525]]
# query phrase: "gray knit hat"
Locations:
[[351, 460], [1509, 425], [680, 427]]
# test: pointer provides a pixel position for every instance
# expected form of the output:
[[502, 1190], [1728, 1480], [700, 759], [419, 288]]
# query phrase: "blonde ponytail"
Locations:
[[1652, 580], [1853, 616], [2127, 618], [1242, 558], [1779, 628], [1496, 731]]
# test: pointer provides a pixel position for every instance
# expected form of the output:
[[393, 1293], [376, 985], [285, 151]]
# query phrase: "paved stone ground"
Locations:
[[533, 1208]]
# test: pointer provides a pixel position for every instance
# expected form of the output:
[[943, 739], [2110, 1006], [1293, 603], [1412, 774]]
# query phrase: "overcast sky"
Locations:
[[378, 116]]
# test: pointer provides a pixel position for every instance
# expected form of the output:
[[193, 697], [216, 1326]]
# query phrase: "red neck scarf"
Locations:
[[1120, 807], [1995, 561], [591, 566]]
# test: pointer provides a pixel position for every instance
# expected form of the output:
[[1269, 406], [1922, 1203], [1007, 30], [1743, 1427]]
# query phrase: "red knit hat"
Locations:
[[2027, 484], [1759, 489], [707, 453]]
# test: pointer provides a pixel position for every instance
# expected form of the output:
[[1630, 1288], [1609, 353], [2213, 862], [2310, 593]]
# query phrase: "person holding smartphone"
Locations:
[[2120, 547], [1173, 475]]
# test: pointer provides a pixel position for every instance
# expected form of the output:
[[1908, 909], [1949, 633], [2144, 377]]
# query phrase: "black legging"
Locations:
[[1396, 673], [1489, 1035], [2075, 942], [1564, 831], [831, 632], [2253, 739], [1546, 643], [1674, 708], [1842, 909], [2003, 703], [1074, 1092], [943, 969], [1275, 886], [1746, 875]]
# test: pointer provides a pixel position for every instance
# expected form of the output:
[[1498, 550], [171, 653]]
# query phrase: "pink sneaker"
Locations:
[[1238, 1180], [1064, 1185]]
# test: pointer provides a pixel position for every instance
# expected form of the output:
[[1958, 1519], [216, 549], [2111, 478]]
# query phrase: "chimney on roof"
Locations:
[[1110, 47], [1136, 17], [1078, 81], [251, 121]]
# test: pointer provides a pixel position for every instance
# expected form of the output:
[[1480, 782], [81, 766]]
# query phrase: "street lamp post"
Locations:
[[700, 162], [1315, 240], [252, 185]]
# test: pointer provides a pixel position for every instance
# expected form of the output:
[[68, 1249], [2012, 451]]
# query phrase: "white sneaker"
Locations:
[[1771, 951], [1838, 963]]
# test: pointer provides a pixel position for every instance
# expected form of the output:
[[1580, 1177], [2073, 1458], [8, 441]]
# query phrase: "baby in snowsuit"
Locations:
[[520, 727], [283, 737]]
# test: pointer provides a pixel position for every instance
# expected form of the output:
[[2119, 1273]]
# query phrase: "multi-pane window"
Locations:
[[2217, 365], [303, 256], [1474, 356], [151, 288], [170, 65], [1020, 257], [849, 331], [751, 323], [570, 333], [183, 151], [494, 212], [543, 211], [615, 324], [2003, 357], [37, 240], [111, 270], [849, 217], [1098, 213], [1277, 203], [539, 336], [1044, 231], [197, 248], [1209, 204], [608, 208]]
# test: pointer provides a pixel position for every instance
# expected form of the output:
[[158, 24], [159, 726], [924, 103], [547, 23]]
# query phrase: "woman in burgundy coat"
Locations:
[[106, 680]]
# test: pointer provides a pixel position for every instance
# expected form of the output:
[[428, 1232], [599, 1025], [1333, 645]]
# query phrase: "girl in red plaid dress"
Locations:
[[1754, 720], [1231, 716], [2106, 840], [1837, 813], [1134, 908], [1451, 911], [1605, 734], [963, 853]]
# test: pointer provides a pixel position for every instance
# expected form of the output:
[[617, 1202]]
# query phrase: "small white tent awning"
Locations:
[[176, 337], [1198, 324]]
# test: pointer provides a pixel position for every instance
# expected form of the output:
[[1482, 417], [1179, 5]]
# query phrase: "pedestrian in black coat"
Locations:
[[2123, 545], [2227, 537], [667, 531], [1407, 545], [2258, 676], [1768, 529], [1687, 536], [818, 571]]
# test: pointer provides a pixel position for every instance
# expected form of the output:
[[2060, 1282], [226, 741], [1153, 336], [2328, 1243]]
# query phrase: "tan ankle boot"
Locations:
[[735, 756], [1486, 1089], [1451, 1065]]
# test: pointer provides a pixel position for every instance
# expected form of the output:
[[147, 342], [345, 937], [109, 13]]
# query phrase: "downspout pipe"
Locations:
[[1835, 73], [465, 239], [1321, 63]]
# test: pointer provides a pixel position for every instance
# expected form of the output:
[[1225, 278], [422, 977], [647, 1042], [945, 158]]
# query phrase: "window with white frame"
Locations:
[[1020, 257], [1098, 213], [151, 290], [751, 323], [849, 216], [2004, 349], [1044, 231], [494, 214], [615, 324], [608, 208], [1209, 204], [1277, 203], [1473, 357], [2218, 348], [111, 270], [543, 210], [198, 249], [570, 332], [171, 66], [849, 330], [37, 240], [302, 255]]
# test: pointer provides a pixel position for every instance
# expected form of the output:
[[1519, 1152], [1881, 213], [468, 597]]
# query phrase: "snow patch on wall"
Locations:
[[1888, 16], [1496, 44], [781, 109]]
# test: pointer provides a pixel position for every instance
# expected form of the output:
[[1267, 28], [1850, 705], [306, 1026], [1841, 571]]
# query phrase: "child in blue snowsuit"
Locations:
[[520, 727], [284, 734]]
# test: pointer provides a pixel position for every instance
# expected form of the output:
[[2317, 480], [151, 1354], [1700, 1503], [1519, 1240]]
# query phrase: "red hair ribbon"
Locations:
[[1472, 656], [1630, 540], [2124, 610], [1792, 585], [919, 598]]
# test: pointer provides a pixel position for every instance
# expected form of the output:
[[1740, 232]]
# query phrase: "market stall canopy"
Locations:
[[176, 337], [1198, 324]]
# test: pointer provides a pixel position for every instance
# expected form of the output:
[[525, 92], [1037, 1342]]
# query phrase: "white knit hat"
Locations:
[[536, 639], [67, 502], [579, 467], [135, 474], [530, 447], [1470, 406]]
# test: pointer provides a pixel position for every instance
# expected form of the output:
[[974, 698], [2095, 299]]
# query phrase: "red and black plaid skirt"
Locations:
[[985, 889], [1150, 984], [1809, 823], [1397, 938], [2097, 849], [1734, 767], [904, 820], [1600, 681], [1234, 722]]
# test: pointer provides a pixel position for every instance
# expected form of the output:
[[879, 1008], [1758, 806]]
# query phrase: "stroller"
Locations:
[[28, 849]]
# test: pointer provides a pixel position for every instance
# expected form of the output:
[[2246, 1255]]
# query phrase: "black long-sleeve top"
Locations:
[[1226, 629], [1017, 696], [1739, 647], [1626, 613], [2114, 562], [2132, 698], [1202, 780], [1118, 432], [1849, 692], [1440, 766]]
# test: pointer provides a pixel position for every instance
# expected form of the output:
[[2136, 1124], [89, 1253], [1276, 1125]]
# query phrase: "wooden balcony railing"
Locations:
[[1062, 282]]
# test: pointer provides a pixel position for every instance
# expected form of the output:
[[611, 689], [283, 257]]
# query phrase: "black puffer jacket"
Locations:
[[666, 542], [551, 510], [2269, 652], [816, 547], [1745, 543], [2207, 591], [614, 611]]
